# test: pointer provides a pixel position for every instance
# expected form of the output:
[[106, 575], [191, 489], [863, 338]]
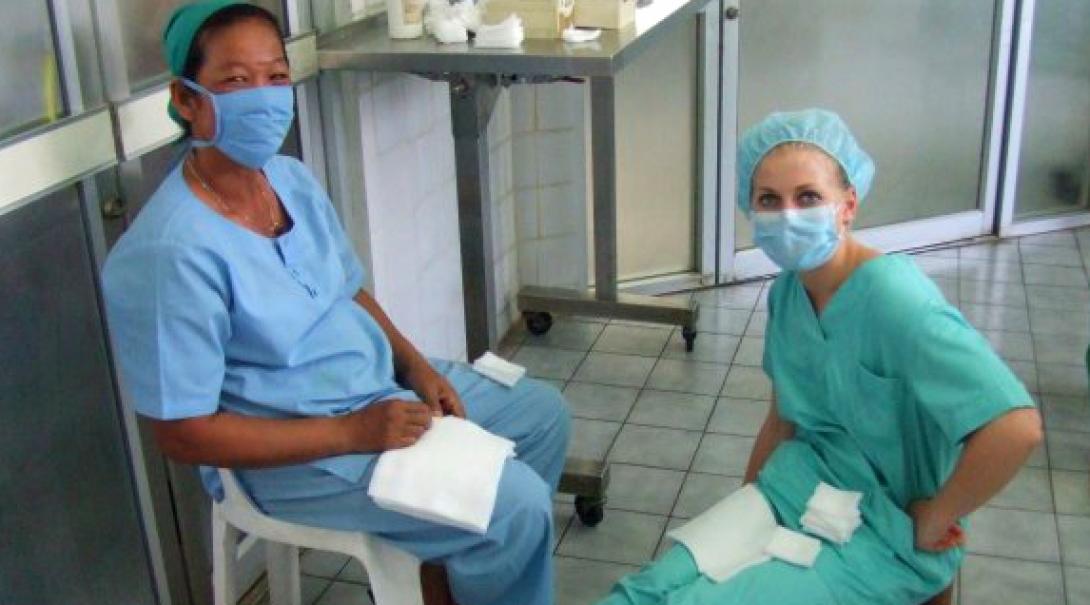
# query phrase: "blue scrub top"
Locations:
[[206, 315]]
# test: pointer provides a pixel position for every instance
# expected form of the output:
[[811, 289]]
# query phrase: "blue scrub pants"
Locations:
[[512, 562]]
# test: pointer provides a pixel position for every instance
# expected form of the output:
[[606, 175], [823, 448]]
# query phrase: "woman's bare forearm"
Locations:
[[774, 431], [232, 440], [991, 458]]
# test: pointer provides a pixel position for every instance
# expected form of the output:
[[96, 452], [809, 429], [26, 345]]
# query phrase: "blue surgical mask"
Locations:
[[250, 123], [798, 240]]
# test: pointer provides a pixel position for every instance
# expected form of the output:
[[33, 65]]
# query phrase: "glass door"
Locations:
[[1049, 176], [915, 81]]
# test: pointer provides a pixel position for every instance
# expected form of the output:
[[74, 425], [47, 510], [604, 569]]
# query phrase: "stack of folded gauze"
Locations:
[[832, 514], [499, 369], [506, 34], [450, 476]]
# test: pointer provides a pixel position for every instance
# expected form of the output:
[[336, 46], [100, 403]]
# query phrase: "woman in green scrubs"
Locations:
[[880, 387]]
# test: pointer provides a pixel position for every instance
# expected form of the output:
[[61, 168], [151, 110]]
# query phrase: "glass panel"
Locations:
[[1052, 169], [70, 524], [141, 32], [29, 66], [909, 77], [656, 101]]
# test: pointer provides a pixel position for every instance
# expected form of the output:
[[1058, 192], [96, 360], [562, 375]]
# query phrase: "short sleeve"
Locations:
[[342, 244], [956, 377], [169, 324]]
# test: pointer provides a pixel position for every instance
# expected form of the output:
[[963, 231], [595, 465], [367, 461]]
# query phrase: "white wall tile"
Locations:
[[559, 106], [554, 158], [524, 160], [561, 211], [527, 225], [523, 109], [391, 115]]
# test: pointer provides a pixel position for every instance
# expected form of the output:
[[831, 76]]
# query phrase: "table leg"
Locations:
[[604, 170], [471, 104]]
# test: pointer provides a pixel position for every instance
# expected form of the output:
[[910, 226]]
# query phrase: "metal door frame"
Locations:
[[735, 265]]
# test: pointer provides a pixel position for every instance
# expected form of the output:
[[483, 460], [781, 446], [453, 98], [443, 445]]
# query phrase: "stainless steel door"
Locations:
[[89, 511], [68, 508]]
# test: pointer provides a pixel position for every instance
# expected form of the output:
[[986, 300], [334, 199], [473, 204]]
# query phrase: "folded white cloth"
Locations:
[[451, 23], [833, 529], [793, 547], [730, 536], [509, 33], [575, 35], [448, 31], [450, 476], [831, 501], [499, 369]]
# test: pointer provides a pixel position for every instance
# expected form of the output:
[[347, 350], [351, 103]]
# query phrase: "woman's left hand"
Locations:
[[434, 389], [936, 531]]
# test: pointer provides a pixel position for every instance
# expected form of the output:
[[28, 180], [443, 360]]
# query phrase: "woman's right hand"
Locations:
[[936, 531], [385, 425]]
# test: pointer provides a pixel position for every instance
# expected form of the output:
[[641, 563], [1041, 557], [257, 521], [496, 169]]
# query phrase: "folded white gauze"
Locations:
[[499, 369], [448, 32], [832, 501], [793, 547], [833, 529], [730, 536], [575, 35], [832, 513], [451, 23], [506, 34], [450, 476]]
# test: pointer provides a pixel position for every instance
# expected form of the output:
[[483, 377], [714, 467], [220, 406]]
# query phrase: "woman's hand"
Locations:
[[936, 530], [434, 389], [385, 425]]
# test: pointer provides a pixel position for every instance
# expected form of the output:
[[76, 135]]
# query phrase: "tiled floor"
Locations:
[[678, 426]]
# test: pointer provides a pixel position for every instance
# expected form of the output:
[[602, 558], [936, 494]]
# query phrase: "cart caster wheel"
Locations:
[[590, 510], [689, 334], [538, 322]]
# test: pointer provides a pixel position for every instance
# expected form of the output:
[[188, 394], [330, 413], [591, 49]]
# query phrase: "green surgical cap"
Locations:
[[823, 129], [178, 36]]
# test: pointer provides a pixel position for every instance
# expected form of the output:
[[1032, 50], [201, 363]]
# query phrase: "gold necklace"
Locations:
[[274, 222]]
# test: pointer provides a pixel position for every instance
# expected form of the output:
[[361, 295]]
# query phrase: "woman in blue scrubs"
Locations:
[[243, 333], [880, 387]]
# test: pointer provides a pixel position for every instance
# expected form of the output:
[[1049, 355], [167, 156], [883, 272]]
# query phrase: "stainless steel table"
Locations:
[[475, 77]]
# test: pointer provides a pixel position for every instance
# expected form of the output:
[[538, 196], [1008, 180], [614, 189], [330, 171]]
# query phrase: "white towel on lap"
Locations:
[[450, 476], [730, 536]]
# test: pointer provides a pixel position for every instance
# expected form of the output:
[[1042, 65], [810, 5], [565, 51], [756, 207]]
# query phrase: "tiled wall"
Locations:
[[537, 145]]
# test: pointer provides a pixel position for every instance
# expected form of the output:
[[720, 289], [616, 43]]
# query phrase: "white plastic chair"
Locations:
[[394, 574]]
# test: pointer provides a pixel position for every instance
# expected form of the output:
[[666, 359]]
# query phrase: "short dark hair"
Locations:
[[219, 21]]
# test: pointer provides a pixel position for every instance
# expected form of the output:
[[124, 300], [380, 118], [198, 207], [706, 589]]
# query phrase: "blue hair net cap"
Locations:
[[818, 127]]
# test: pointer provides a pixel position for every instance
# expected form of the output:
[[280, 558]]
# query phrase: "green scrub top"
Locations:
[[883, 388]]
